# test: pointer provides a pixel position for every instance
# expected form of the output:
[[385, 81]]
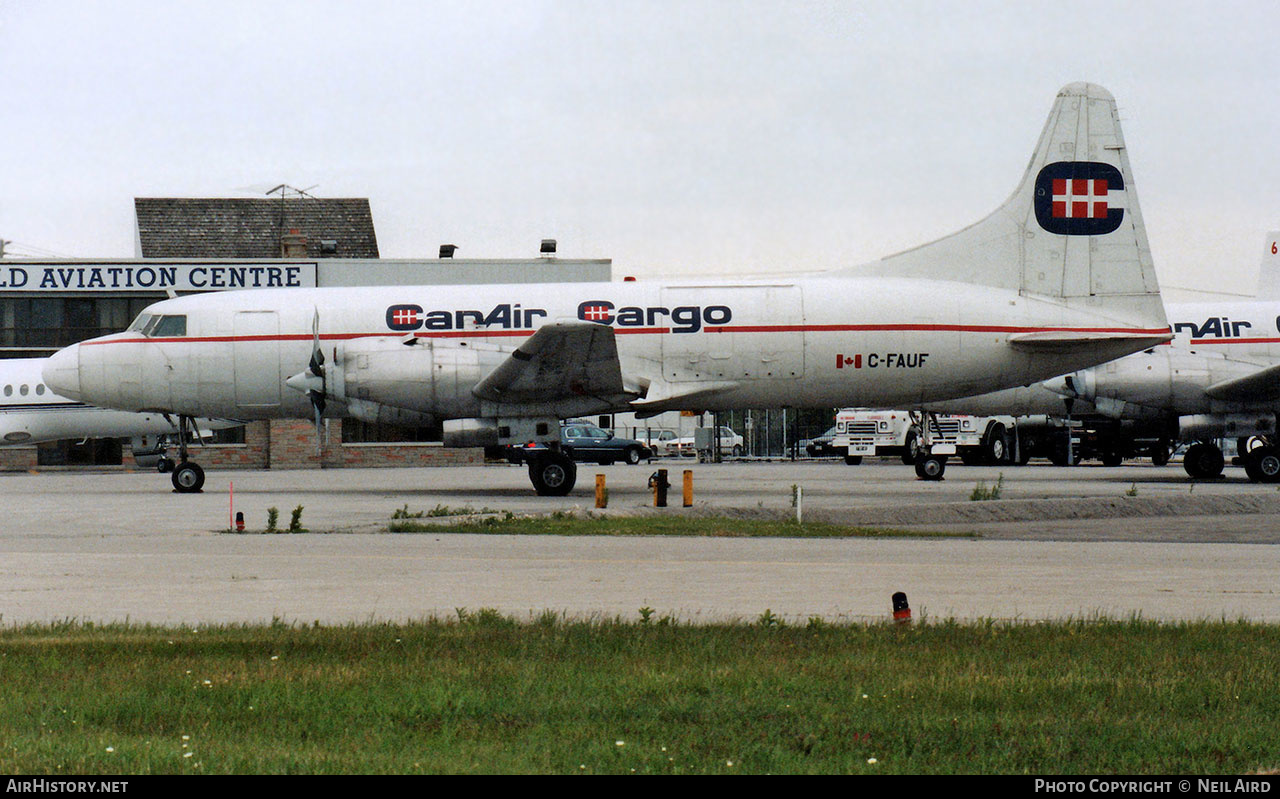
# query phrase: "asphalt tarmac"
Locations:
[[1088, 541]]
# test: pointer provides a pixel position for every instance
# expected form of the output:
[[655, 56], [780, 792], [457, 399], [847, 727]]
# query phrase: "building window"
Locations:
[[51, 322]]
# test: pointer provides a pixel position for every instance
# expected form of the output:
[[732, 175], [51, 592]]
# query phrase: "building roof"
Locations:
[[251, 228]]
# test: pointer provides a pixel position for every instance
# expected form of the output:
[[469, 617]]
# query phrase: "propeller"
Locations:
[[312, 381]]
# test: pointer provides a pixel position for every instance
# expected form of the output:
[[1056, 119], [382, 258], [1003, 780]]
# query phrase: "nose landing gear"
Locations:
[[187, 477]]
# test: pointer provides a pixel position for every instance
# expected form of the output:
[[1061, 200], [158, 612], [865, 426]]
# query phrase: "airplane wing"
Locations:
[[559, 361], [1261, 385]]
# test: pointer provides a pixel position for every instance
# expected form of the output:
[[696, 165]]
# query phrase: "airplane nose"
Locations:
[[62, 372]]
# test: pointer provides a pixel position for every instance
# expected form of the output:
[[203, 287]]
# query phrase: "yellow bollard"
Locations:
[[602, 493], [688, 488]]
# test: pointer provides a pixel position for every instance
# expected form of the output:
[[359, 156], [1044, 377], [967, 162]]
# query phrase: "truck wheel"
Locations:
[[931, 467], [1112, 459], [996, 445], [852, 460], [1160, 453], [552, 475], [1203, 461], [910, 448]]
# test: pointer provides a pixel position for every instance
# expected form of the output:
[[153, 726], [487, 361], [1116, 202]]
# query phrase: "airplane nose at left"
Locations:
[[62, 372]]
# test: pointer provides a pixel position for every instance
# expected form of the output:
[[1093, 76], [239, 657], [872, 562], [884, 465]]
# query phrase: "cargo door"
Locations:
[[257, 359]]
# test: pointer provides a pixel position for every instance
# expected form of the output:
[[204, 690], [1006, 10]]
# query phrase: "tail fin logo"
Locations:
[[1072, 198]]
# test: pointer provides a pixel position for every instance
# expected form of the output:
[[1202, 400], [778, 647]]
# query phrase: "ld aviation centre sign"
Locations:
[[120, 276]]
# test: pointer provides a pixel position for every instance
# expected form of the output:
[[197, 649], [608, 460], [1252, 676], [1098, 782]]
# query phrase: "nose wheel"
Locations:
[[187, 477]]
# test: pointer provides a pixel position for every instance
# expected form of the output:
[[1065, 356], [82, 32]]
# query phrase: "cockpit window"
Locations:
[[167, 327], [140, 323]]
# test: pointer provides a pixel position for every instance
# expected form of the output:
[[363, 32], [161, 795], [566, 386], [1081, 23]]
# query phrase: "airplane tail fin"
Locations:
[[1071, 232], [1269, 274]]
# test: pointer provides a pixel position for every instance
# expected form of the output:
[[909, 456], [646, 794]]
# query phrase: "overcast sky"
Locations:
[[677, 138]]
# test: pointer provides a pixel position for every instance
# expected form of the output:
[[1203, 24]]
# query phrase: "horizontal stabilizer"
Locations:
[[559, 361], [1071, 340], [1262, 385]]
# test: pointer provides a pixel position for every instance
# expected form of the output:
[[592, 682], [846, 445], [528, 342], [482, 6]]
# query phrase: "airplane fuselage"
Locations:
[[823, 342]]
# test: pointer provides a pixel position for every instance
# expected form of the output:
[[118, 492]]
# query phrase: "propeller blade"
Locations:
[[316, 367]]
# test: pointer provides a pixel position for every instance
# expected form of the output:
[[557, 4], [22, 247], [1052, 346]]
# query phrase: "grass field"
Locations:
[[590, 524], [484, 693]]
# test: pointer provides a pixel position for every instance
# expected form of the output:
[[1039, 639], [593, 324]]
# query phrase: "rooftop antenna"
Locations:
[[285, 191]]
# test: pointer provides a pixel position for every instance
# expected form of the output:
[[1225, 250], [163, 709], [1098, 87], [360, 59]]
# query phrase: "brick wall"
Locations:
[[291, 444], [17, 459]]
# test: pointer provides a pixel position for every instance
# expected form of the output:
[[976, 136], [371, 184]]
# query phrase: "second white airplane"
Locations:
[[31, 413], [1057, 279]]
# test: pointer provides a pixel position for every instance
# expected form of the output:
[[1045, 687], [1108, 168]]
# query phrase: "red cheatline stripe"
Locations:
[[926, 327], [1155, 331]]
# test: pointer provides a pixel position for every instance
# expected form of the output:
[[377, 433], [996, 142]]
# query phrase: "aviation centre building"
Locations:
[[189, 246]]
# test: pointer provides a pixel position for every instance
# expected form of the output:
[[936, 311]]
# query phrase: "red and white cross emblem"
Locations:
[[405, 316], [1079, 199], [596, 313]]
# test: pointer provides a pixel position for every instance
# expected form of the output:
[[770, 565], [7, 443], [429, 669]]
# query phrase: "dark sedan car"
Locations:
[[588, 443], [821, 446]]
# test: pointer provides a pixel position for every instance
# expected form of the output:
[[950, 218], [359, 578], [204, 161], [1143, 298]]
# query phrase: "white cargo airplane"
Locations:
[[30, 413], [1058, 278]]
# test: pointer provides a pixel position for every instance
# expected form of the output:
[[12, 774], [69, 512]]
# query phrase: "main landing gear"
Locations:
[[1259, 455], [187, 477], [552, 473], [1261, 459], [931, 463]]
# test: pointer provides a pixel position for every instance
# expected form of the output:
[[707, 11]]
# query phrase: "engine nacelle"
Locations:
[[415, 379], [499, 432], [1225, 425], [1166, 380]]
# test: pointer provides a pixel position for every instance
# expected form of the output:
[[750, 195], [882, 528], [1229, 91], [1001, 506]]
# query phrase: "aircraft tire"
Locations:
[[852, 460], [164, 465], [188, 478], [1112, 459], [930, 467], [1203, 461], [1263, 464], [553, 475]]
